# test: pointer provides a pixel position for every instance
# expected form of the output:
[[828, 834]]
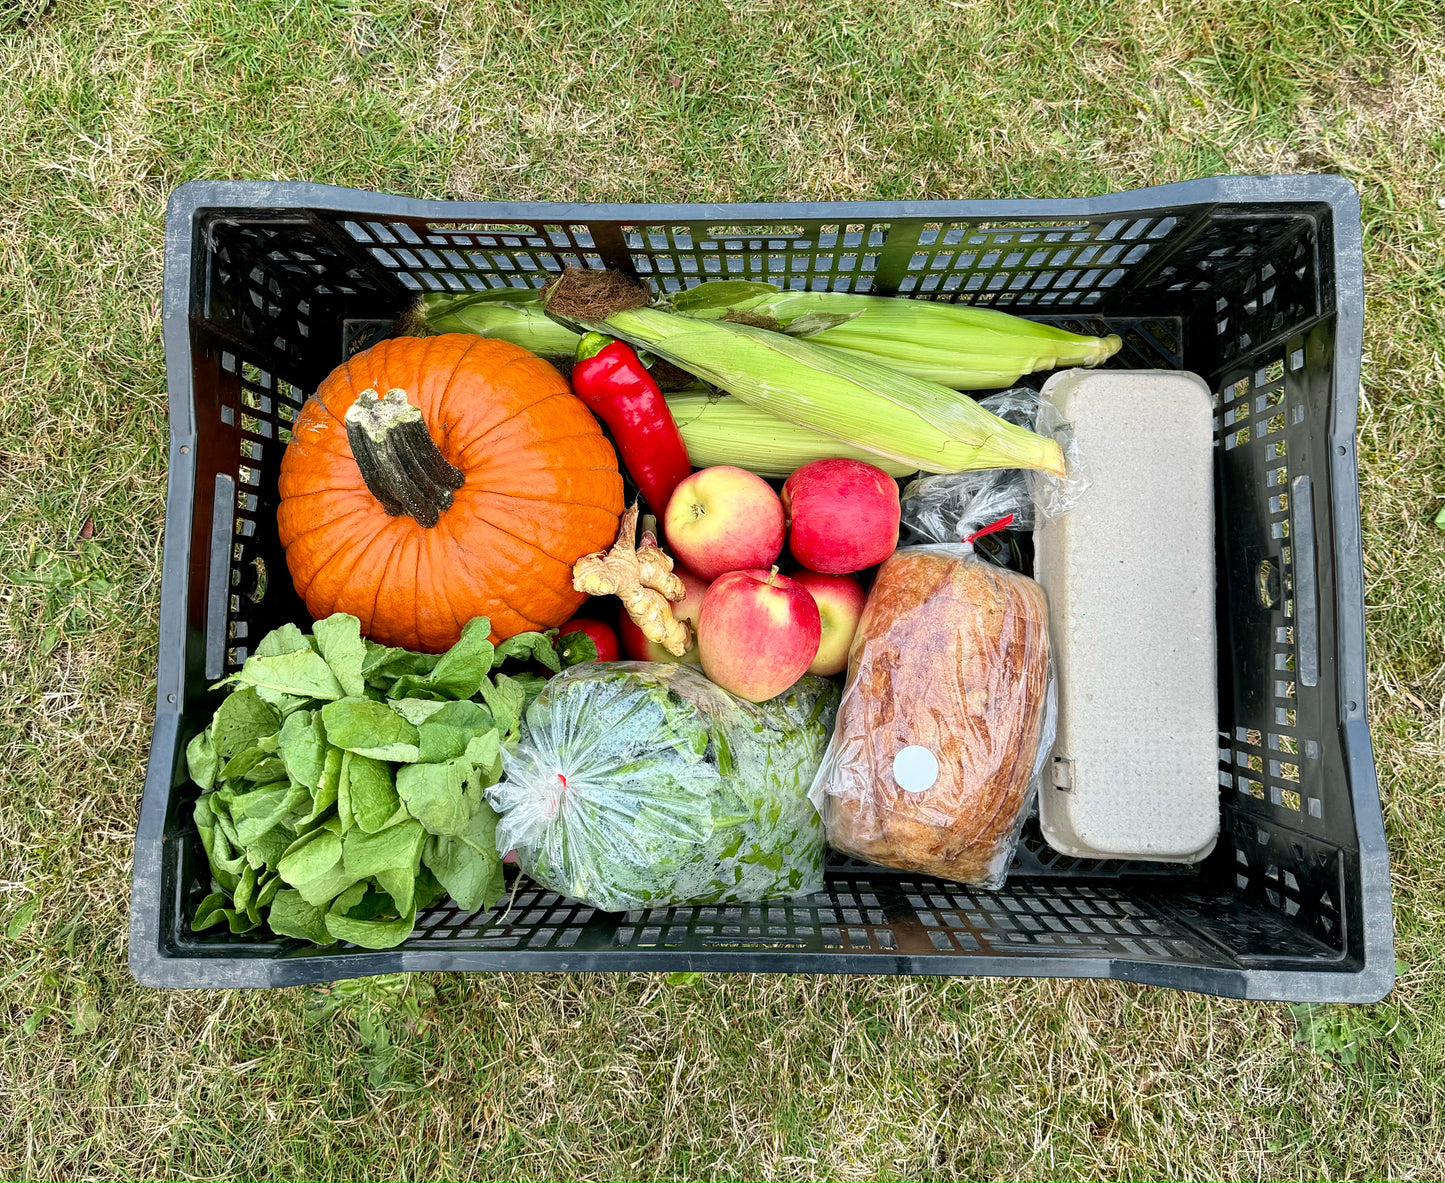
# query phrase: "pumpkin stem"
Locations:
[[401, 465]]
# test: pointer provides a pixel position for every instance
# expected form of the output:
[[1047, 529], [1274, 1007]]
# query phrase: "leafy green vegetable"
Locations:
[[241, 720], [534, 646], [368, 728], [646, 785], [300, 814], [302, 673], [338, 638]]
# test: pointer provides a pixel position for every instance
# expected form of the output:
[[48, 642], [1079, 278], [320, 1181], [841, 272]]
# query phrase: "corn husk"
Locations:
[[721, 429], [512, 314], [955, 345], [836, 393]]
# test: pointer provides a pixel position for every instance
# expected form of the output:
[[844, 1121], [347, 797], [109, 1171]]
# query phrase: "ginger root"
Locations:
[[641, 577]]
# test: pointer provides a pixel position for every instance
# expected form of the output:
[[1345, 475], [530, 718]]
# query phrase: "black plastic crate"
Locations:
[[1253, 282]]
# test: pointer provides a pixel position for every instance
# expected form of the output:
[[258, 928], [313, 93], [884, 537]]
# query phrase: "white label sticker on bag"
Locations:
[[915, 769]]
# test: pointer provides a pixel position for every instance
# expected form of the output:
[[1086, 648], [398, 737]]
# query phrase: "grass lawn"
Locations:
[[108, 106]]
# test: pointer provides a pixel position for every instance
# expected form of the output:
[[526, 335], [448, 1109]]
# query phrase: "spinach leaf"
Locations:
[[468, 865], [506, 700], [310, 857], [370, 934], [302, 673], [292, 916], [531, 646], [338, 637], [242, 719], [370, 728], [201, 759], [370, 792], [435, 794], [395, 848], [280, 641]]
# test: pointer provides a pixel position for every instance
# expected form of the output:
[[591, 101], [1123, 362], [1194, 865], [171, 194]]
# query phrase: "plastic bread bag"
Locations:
[[640, 784], [948, 506], [946, 719]]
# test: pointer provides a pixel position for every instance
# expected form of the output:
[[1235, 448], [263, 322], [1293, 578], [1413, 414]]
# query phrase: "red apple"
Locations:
[[724, 519], [639, 648], [840, 600], [758, 633], [601, 635], [842, 515]]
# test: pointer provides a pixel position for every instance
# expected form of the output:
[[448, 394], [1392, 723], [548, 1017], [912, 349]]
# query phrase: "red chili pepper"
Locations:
[[617, 388]]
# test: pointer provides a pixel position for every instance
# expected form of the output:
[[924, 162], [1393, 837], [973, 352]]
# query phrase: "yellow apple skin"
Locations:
[[724, 519], [840, 600]]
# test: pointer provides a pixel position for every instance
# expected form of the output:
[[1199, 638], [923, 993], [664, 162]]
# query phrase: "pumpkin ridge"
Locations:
[[342, 547], [539, 501], [464, 555], [532, 546], [576, 435], [520, 411]]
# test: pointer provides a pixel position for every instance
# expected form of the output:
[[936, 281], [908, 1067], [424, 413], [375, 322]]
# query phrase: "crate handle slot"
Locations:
[[1306, 593], [218, 574]]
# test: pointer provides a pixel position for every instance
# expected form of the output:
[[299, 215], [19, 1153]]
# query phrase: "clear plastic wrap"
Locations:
[[945, 721], [641, 784], [949, 506]]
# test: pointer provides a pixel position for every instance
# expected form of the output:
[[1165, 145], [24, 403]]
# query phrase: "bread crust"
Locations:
[[951, 654]]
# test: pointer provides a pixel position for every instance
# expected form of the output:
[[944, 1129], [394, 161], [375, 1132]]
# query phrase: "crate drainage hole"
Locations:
[[1268, 584]]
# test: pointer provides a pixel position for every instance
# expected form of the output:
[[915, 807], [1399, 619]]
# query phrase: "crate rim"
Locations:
[[194, 200]]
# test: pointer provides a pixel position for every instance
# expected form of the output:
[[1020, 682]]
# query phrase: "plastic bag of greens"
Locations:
[[639, 784]]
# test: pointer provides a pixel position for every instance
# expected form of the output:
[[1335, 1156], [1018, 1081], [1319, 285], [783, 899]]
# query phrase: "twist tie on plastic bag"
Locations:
[[994, 527]]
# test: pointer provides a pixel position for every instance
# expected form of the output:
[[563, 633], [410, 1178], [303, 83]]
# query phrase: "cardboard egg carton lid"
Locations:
[[1129, 574]]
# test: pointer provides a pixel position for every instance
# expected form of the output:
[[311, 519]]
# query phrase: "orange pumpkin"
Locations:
[[433, 480]]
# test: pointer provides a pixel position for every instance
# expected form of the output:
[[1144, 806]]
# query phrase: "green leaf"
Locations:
[[201, 759], [468, 865], [400, 884], [530, 647], [370, 934], [211, 910], [310, 857], [292, 916], [462, 668], [576, 648], [258, 812], [266, 851], [680, 979], [302, 747], [329, 788], [279, 641], [459, 671], [22, 918], [506, 700], [302, 673], [242, 719], [447, 733], [394, 848], [416, 710], [1440, 519], [322, 890], [370, 793], [370, 728], [338, 637], [435, 794]]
